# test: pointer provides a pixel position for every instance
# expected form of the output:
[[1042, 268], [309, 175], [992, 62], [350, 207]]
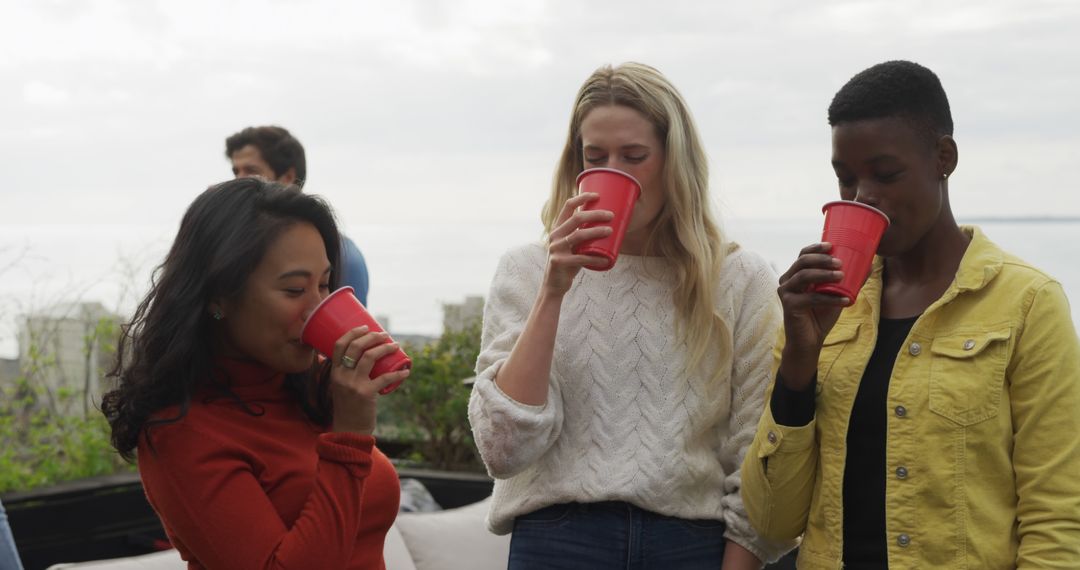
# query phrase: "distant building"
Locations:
[[458, 316], [9, 370], [384, 322], [67, 349]]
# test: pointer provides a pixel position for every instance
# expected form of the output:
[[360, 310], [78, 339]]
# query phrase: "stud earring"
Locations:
[[217, 315], [945, 176]]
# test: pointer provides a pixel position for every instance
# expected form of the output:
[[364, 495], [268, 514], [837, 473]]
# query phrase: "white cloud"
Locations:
[[157, 86], [40, 93], [453, 112]]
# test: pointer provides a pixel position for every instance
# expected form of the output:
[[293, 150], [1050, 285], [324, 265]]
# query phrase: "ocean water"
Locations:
[[415, 268]]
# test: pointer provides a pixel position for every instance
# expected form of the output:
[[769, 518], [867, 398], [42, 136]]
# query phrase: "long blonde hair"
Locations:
[[685, 231]]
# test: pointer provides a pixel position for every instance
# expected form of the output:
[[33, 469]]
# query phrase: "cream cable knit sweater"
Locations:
[[622, 422]]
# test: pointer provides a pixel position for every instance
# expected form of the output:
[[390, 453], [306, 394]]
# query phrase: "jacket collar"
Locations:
[[981, 263]]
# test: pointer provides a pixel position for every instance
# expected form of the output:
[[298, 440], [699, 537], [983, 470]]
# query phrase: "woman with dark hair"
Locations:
[[933, 423], [254, 453]]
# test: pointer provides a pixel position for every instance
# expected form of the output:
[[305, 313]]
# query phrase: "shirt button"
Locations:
[[901, 472], [771, 437], [915, 349], [903, 540], [969, 344], [901, 411]]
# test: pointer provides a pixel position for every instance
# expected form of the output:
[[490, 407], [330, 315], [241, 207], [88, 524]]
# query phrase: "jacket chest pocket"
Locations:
[[967, 375], [837, 339]]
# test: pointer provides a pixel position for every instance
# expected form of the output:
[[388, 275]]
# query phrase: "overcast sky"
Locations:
[[116, 111], [452, 114]]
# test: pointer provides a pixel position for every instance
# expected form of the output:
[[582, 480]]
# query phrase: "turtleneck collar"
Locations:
[[248, 380]]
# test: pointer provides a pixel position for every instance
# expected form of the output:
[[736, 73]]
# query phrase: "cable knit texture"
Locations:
[[623, 420]]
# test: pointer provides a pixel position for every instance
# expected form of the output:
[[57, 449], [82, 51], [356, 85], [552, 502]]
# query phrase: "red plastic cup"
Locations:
[[339, 313], [618, 193], [854, 230]]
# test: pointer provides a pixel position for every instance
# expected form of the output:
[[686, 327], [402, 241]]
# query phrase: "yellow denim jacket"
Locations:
[[983, 430]]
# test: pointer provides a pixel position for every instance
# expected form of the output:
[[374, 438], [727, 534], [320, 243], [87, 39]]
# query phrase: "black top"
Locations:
[[865, 543]]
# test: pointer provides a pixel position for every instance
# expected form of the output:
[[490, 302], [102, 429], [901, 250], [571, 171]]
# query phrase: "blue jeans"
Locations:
[[9, 557], [612, 535]]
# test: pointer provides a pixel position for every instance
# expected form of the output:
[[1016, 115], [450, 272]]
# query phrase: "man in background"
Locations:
[[274, 154]]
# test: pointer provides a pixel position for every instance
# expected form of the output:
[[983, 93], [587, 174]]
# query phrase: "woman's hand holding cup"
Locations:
[[824, 279], [808, 315], [354, 392], [563, 264], [339, 313]]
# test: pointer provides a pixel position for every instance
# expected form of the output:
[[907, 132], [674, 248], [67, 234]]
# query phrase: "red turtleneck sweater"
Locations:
[[273, 490]]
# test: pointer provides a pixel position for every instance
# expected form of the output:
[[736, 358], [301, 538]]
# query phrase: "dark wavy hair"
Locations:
[[900, 89], [167, 350], [278, 147]]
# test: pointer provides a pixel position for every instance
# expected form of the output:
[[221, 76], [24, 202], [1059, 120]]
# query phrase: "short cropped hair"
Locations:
[[895, 89]]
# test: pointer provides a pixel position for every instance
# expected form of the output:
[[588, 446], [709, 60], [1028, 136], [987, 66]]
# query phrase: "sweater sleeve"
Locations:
[[209, 498], [757, 320], [510, 435]]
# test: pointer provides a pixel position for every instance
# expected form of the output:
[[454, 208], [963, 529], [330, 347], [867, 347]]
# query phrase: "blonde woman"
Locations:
[[613, 408]]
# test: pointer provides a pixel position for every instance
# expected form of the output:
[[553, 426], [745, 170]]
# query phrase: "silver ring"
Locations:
[[348, 362]]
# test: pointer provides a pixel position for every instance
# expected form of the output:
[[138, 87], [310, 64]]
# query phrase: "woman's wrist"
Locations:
[[349, 427], [797, 368], [548, 303], [551, 294]]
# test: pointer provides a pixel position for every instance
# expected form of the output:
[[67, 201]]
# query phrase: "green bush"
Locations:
[[41, 447], [48, 436], [429, 412]]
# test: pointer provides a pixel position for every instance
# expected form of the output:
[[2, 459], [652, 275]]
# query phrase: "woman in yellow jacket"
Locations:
[[935, 423]]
